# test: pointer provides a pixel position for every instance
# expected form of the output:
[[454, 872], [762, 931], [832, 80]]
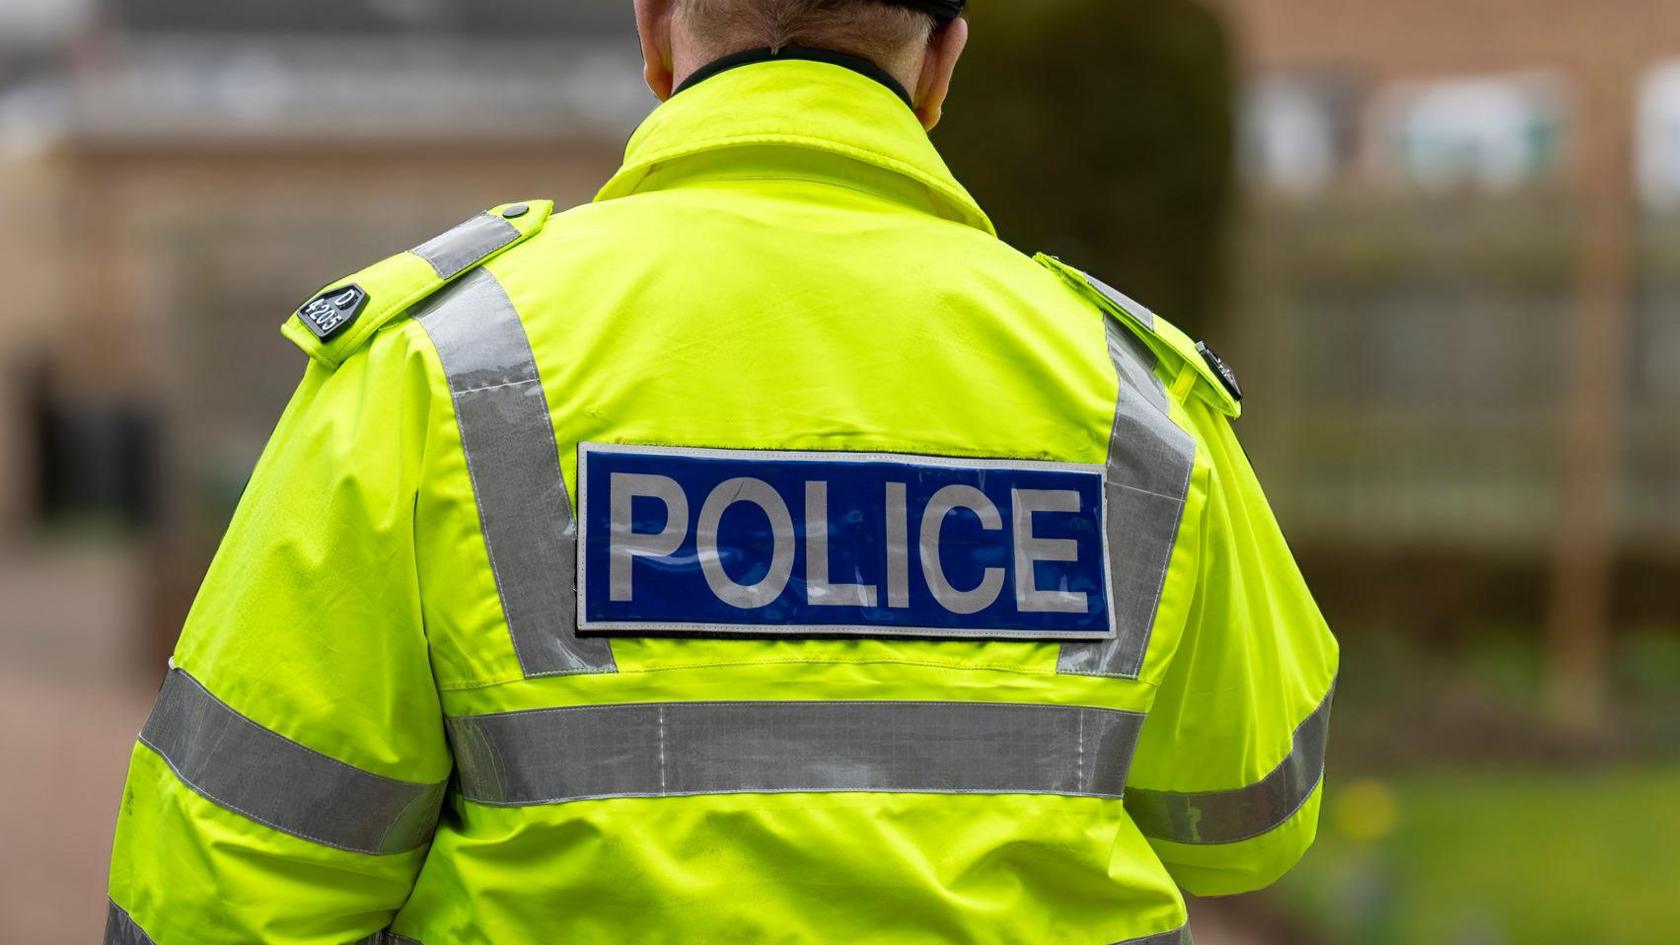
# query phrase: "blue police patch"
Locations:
[[735, 542]]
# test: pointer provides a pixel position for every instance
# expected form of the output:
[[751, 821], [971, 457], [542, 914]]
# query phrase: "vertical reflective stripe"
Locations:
[[1135, 364], [553, 756], [243, 767], [514, 463], [1246, 812], [462, 247], [1178, 936], [1150, 461], [120, 929]]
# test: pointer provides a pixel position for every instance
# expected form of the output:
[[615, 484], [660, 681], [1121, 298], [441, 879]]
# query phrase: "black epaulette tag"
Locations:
[[1227, 376], [332, 312]]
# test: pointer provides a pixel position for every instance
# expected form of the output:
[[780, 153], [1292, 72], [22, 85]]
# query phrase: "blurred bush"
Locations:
[[1117, 154]]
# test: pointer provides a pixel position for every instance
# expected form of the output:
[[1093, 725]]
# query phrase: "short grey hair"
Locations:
[[885, 33]]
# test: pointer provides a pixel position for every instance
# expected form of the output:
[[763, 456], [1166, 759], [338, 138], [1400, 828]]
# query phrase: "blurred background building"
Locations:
[[178, 171], [1440, 242]]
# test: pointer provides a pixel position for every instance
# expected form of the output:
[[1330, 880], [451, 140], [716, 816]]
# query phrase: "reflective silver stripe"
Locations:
[[273, 780], [552, 756], [1150, 460], [1178, 936], [121, 929], [523, 505], [459, 249], [1128, 304], [1134, 363], [1243, 813]]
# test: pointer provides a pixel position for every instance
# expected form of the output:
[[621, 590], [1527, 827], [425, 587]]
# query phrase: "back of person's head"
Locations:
[[916, 42], [891, 36]]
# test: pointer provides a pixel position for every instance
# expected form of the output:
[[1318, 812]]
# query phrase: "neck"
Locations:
[[858, 64], [687, 59]]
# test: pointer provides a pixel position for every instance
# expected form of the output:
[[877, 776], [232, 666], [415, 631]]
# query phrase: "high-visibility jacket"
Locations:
[[764, 552]]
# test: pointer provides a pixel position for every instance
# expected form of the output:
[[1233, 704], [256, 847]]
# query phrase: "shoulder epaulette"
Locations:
[[1195, 365], [339, 320]]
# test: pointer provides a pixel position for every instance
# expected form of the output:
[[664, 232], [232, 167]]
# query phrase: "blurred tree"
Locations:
[[1102, 131]]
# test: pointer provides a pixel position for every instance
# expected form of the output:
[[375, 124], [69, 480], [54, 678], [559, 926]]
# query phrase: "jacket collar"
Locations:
[[858, 64], [801, 105]]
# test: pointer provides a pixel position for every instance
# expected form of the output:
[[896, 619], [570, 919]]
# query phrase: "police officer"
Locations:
[[762, 553]]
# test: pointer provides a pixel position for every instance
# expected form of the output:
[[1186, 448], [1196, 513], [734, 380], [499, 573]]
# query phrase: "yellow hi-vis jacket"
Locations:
[[764, 552]]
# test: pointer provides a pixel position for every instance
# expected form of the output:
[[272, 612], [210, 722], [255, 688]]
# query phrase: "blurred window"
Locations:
[[95, 463], [1440, 346], [1656, 349], [497, 18], [1297, 132], [1497, 133], [1656, 346], [1659, 136], [27, 23]]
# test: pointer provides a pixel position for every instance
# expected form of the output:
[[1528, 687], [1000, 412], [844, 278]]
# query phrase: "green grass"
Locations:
[[1511, 858]]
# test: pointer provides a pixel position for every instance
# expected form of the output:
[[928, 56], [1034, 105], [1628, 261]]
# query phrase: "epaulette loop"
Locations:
[[339, 320], [1200, 369]]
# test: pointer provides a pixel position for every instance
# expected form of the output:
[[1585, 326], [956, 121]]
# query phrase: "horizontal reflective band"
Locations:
[[120, 929], [1178, 936], [553, 756], [459, 249], [273, 780], [1244, 813]]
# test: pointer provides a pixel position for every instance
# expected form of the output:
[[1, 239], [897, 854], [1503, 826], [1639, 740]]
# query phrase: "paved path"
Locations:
[[71, 703], [1213, 924]]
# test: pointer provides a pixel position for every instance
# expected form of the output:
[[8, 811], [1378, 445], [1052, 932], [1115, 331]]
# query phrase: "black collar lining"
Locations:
[[749, 57]]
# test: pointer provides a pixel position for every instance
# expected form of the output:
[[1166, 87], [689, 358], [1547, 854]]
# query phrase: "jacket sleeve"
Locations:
[[285, 788], [1227, 778]]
